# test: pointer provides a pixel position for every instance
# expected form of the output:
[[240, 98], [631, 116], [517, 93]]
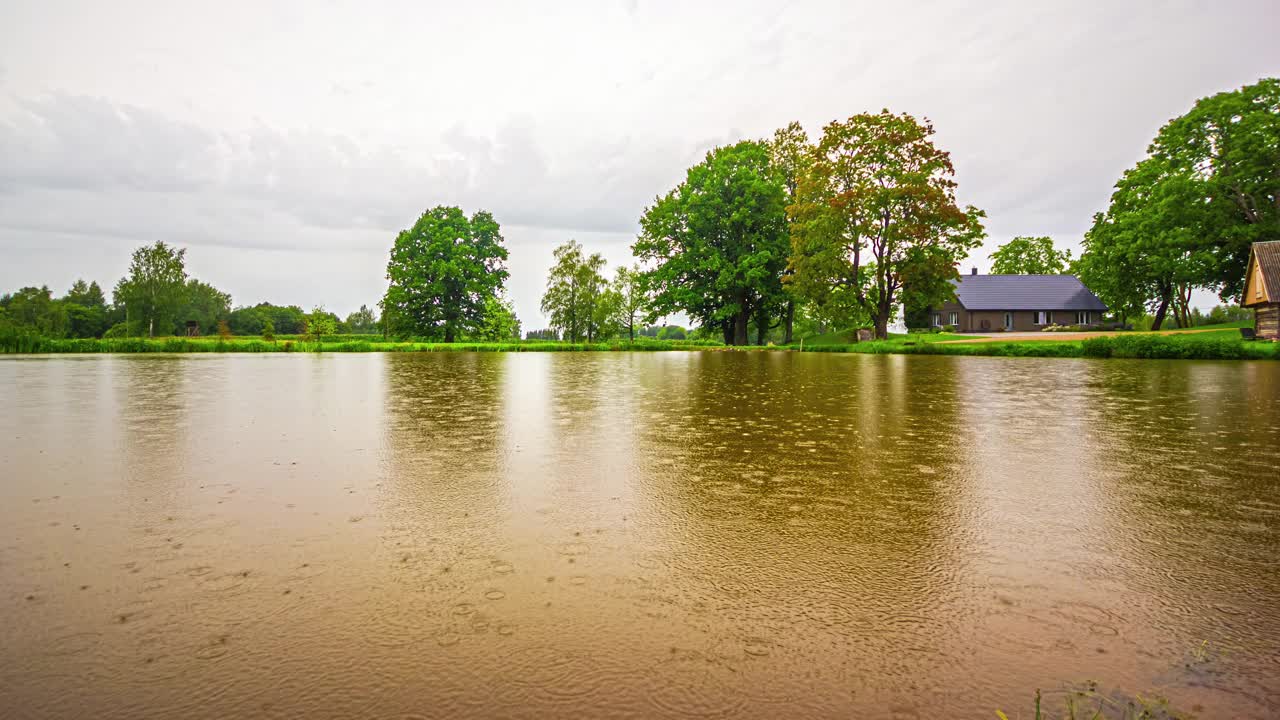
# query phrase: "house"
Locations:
[[1262, 288], [995, 303]]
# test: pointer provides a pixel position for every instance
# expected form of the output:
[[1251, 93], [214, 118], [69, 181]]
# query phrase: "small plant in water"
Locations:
[[1084, 702]]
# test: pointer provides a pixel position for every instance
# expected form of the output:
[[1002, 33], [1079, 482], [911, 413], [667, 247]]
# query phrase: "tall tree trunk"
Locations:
[[1161, 310], [740, 328], [726, 326], [151, 326], [882, 325], [789, 323]]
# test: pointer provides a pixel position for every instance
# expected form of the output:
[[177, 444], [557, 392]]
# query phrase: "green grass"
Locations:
[[1214, 345], [1216, 326], [34, 344], [1223, 344], [849, 337]]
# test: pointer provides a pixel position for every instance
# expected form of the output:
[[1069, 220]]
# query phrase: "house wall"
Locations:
[[1266, 319], [1023, 320], [1254, 290]]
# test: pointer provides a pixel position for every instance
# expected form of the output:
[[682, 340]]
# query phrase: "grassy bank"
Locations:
[[1223, 345], [1136, 345], [34, 344]]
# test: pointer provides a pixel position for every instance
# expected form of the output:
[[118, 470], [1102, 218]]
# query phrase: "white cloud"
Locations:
[[288, 145]]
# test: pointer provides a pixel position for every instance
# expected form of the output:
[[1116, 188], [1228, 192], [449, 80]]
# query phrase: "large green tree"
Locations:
[[717, 243], [632, 298], [155, 289], [87, 311], [1185, 216], [578, 299], [443, 271], [875, 206], [1030, 256], [206, 305], [790, 153]]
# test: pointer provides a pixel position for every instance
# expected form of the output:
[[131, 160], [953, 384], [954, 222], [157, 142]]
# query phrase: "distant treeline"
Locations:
[[158, 299]]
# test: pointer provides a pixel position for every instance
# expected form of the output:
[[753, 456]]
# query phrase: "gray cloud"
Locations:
[[90, 145], [289, 152]]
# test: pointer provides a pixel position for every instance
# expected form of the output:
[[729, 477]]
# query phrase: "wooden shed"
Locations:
[[1262, 288]]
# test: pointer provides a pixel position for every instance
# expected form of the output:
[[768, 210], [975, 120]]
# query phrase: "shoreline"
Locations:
[[1135, 346]]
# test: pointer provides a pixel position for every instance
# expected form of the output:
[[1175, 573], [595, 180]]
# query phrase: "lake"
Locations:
[[634, 535]]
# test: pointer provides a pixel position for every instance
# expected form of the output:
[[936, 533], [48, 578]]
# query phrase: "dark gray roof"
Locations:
[[1267, 255], [1025, 292]]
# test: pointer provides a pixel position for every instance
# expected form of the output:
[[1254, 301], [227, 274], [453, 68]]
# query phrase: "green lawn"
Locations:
[[849, 337]]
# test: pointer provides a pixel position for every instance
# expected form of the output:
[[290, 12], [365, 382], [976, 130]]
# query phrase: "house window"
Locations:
[[953, 318], [1082, 317], [937, 319], [1043, 318]]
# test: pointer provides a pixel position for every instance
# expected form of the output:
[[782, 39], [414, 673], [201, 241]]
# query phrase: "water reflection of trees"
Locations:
[[808, 500], [1190, 499], [1115, 504], [444, 426], [152, 394]]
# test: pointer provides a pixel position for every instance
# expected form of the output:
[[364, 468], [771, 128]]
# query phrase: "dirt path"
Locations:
[[1049, 336]]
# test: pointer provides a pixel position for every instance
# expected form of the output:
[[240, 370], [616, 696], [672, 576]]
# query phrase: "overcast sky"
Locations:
[[285, 144]]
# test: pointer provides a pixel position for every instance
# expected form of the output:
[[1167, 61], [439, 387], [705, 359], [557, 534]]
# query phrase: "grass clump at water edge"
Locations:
[[1085, 702]]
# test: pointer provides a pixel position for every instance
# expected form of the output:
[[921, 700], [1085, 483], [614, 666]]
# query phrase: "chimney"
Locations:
[[974, 271]]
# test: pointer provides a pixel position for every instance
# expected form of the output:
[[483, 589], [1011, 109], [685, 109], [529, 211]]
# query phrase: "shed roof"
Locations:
[[1025, 292], [1267, 255]]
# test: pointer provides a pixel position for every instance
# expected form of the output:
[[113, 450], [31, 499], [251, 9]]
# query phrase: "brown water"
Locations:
[[633, 535]]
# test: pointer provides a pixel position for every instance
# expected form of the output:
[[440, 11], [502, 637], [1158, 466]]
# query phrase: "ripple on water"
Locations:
[[213, 648], [573, 549], [72, 644], [692, 685], [232, 582], [494, 595], [649, 562], [198, 570], [1090, 617], [399, 623]]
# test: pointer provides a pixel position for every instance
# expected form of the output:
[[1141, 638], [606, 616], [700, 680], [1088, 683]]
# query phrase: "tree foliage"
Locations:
[[632, 298], [443, 272], [876, 208], [286, 320], [153, 293], [206, 305], [362, 321], [1030, 256], [319, 323], [717, 243], [35, 309], [1185, 216], [790, 154], [578, 299], [500, 321]]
